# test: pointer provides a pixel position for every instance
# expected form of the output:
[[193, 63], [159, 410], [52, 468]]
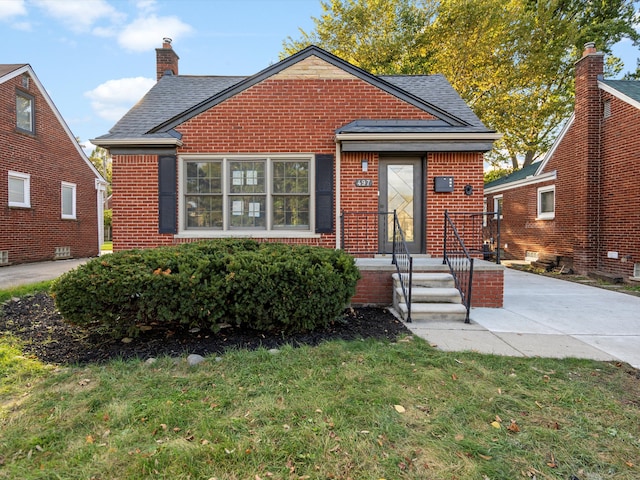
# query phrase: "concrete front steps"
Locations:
[[433, 298]]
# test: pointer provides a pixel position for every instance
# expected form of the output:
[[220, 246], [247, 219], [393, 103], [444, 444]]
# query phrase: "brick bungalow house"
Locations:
[[580, 205], [51, 193], [295, 153]]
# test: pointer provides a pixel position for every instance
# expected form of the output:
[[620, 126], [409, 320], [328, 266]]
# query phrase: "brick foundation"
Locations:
[[375, 286]]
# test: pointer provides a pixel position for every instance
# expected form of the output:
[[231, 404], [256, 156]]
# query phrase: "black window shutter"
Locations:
[[167, 195], [324, 193]]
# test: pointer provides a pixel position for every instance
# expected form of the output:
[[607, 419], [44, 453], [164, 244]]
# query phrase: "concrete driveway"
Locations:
[[548, 317], [16, 275]]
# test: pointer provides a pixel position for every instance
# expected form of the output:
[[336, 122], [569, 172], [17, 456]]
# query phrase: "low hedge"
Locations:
[[263, 286]]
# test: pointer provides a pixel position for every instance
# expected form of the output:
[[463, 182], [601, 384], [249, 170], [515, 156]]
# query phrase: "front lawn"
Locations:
[[343, 410]]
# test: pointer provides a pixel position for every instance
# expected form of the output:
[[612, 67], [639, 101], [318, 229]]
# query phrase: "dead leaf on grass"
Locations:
[[513, 427], [399, 408]]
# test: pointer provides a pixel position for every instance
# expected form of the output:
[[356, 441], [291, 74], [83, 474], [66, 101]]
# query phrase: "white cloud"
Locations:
[[24, 26], [80, 16], [112, 99], [146, 33], [146, 6], [12, 8]]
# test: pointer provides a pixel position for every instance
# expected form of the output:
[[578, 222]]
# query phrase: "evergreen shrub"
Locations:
[[262, 286]]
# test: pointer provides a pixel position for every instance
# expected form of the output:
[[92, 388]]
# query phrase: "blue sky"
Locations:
[[96, 58]]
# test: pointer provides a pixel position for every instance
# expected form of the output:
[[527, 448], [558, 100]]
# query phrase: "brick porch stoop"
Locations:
[[376, 287]]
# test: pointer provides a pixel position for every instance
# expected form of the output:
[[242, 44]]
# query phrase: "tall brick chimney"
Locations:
[[588, 115], [166, 60]]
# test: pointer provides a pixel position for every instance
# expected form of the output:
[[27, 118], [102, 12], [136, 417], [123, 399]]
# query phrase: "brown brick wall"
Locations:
[[285, 116], [620, 187], [466, 168], [597, 187], [50, 157], [375, 288]]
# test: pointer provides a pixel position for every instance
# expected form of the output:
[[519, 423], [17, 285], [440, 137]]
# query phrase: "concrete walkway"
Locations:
[[547, 317], [542, 316], [16, 275]]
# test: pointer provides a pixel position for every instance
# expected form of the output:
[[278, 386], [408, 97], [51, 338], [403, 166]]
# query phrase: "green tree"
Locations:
[[496, 173], [102, 161], [379, 36], [511, 60]]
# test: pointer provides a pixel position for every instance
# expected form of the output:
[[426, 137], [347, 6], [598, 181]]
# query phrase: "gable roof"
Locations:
[[626, 90], [176, 99], [524, 172], [8, 68], [9, 71]]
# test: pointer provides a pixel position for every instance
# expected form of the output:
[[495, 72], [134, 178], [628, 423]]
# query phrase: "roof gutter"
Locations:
[[531, 179], [343, 137], [137, 142]]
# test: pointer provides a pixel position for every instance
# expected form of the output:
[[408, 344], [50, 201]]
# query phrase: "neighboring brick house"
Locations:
[[51, 193], [282, 154], [581, 203]]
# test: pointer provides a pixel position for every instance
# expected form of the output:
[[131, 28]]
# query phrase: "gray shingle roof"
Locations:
[[630, 88], [438, 91], [404, 126], [174, 99], [9, 67], [168, 98], [517, 175]]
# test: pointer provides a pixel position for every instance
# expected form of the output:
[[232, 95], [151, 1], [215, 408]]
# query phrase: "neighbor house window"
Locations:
[[68, 200], [19, 190], [484, 211], [257, 194], [24, 112], [497, 206], [547, 202]]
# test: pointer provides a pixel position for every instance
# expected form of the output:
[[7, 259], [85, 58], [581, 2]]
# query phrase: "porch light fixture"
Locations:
[[365, 165]]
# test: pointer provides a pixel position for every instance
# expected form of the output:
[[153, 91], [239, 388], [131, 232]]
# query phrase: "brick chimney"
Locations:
[[588, 115], [166, 60]]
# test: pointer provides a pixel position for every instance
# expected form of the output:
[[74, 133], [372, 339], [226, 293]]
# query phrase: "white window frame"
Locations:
[[227, 230], [32, 123], [497, 200], [546, 215], [484, 212], [73, 188], [26, 180]]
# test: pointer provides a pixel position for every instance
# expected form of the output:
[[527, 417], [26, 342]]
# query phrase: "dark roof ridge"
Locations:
[[309, 51]]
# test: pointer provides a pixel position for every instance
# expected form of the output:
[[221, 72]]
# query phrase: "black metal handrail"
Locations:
[[403, 262], [365, 242], [480, 232], [460, 262]]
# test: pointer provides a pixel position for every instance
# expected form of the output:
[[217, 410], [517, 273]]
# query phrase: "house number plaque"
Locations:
[[364, 182]]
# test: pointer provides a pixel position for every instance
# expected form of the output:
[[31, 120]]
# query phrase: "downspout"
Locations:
[[101, 188], [338, 205]]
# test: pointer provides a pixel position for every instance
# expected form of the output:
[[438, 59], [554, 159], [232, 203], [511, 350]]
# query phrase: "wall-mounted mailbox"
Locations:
[[443, 184]]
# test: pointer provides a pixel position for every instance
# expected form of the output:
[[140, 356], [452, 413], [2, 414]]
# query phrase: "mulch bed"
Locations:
[[35, 320]]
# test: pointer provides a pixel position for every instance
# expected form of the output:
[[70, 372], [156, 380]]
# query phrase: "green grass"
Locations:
[[9, 293], [327, 412]]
